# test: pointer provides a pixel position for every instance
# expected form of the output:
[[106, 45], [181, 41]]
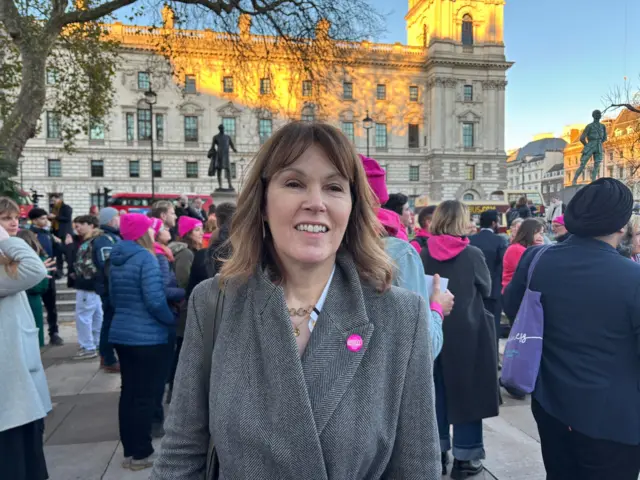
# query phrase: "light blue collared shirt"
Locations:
[[313, 318]]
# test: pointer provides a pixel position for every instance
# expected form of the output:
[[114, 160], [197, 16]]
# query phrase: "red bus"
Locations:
[[25, 203], [141, 202]]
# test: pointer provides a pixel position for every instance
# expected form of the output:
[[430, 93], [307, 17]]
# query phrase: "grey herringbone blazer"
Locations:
[[330, 414]]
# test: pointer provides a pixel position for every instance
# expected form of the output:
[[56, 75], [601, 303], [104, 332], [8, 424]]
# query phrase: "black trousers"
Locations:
[[569, 455], [22, 453], [49, 300], [142, 369]]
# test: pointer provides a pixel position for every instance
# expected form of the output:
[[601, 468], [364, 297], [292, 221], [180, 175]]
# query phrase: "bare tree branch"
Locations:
[[10, 18], [82, 16]]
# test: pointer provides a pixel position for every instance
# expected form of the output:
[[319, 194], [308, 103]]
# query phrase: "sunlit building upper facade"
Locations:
[[437, 107]]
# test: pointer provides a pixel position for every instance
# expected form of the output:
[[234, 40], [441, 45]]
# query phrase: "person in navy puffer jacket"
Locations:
[[140, 332]]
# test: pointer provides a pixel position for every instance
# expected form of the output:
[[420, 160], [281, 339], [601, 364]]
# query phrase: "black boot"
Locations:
[[444, 456], [466, 469], [54, 339]]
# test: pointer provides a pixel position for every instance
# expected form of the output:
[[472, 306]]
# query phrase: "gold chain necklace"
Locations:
[[299, 312]]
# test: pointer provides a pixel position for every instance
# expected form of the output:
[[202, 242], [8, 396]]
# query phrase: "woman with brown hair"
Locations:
[[140, 330], [465, 371], [530, 233], [321, 369]]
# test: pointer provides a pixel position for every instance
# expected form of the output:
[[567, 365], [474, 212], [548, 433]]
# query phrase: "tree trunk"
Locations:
[[21, 123]]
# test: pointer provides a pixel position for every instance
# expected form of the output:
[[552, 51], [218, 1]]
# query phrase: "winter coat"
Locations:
[[207, 262], [24, 396], [102, 246], [183, 256], [62, 225], [469, 356], [175, 295], [34, 296], [137, 294], [510, 262], [45, 237]]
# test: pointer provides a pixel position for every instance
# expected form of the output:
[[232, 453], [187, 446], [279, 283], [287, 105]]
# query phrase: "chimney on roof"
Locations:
[[244, 26], [574, 135], [168, 17]]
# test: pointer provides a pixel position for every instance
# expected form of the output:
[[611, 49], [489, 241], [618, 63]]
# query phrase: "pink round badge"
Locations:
[[354, 343]]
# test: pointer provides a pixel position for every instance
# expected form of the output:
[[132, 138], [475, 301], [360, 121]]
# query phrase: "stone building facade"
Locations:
[[534, 167], [437, 105]]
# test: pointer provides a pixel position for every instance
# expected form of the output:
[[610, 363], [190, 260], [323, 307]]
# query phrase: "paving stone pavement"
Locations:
[[82, 442]]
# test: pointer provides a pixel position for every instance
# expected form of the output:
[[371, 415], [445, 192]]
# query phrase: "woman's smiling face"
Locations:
[[308, 205]]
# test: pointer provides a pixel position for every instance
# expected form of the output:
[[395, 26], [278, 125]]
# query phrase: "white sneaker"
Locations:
[[143, 463], [126, 463], [84, 354]]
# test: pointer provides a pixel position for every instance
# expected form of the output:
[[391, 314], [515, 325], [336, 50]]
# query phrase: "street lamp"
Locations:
[[367, 123], [151, 98]]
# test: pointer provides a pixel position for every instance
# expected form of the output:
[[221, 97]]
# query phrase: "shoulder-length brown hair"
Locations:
[[450, 218], [32, 240], [527, 231], [251, 240]]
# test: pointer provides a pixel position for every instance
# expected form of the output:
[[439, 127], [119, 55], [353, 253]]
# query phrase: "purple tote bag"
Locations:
[[523, 351]]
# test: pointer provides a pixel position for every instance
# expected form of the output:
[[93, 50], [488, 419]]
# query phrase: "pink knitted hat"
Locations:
[[559, 220], [134, 225], [156, 225], [186, 224], [376, 177]]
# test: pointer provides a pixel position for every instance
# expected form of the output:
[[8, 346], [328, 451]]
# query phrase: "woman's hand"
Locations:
[[50, 263], [68, 240], [444, 299]]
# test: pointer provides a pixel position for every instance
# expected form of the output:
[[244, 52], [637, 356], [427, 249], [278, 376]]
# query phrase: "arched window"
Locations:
[[467, 30], [468, 197]]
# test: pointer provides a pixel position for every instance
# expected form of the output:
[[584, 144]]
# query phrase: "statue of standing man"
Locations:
[[220, 156], [596, 133]]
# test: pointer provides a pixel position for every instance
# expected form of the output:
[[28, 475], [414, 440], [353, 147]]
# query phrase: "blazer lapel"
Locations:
[[328, 365], [294, 433]]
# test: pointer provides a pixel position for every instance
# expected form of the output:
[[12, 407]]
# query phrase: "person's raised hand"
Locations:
[[444, 299]]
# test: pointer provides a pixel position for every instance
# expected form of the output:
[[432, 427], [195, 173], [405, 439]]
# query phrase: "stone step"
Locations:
[[66, 305], [66, 294], [66, 317]]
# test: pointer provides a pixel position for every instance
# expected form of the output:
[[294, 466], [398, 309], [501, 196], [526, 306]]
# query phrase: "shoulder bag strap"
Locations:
[[534, 262], [210, 328]]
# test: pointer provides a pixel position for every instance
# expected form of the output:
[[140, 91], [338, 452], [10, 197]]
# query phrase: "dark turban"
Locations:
[[599, 209]]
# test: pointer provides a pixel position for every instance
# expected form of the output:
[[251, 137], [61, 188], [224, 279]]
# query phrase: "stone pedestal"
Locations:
[[223, 195], [567, 193]]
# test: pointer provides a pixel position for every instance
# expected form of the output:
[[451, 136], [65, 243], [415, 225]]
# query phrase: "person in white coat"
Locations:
[[24, 396]]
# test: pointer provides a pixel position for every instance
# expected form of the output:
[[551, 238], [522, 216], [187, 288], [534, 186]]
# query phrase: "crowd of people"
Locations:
[[314, 321]]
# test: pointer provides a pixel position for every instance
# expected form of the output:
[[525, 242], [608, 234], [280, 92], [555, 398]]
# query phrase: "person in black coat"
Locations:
[[207, 262], [51, 246], [465, 371], [493, 247], [61, 218], [586, 402]]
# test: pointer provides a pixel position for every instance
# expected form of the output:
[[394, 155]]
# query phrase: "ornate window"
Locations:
[[347, 90], [144, 81], [53, 126], [229, 124], [347, 129], [190, 84], [97, 168], [134, 168], [467, 30], [381, 91], [190, 128], [265, 128], [265, 86], [414, 173], [468, 135], [468, 93], [54, 167], [144, 124], [381, 135], [227, 84], [468, 197], [414, 135]]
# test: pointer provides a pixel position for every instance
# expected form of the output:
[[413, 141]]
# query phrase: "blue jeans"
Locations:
[[467, 437], [107, 352]]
